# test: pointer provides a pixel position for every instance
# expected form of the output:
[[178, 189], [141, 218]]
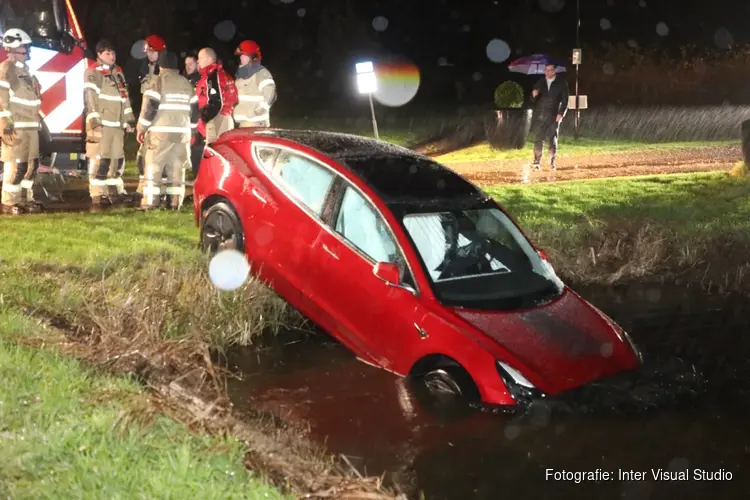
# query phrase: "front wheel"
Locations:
[[221, 229], [447, 392]]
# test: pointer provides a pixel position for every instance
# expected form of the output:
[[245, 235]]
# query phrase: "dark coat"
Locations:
[[552, 102]]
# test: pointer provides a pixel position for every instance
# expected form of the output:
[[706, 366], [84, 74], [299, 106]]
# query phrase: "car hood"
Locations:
[[558, 346]]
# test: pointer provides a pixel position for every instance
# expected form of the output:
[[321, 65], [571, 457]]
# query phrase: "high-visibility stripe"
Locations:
[[266, 83], [128, 111], [241, 118], [265, 105], [12, 188], [151, 93], [251, 98], [108, 123], [27, 184], [97, 182], [176, 190], [26, 102], [4, 84], [143, 122], [5, 114], [174, 107], [115, 98], [26, 124], [259, 118], [193, 99], [183, 97], [93, 115], [95, 88]]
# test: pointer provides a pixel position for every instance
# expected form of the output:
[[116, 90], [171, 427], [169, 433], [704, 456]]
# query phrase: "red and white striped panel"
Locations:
[[61, 78]]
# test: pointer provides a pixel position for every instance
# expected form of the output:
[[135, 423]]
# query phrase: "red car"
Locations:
[[410, 266]]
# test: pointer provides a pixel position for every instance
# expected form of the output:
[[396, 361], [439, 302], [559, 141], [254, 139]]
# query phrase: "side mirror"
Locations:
[[387, 272]]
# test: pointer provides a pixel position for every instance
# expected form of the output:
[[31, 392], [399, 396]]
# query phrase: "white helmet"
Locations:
[[14, 38]]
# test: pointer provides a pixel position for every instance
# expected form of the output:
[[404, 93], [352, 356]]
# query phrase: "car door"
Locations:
[[381, 320], [303, 185]]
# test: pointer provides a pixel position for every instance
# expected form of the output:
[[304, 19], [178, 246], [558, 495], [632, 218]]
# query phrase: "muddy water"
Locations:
[[374, 419]]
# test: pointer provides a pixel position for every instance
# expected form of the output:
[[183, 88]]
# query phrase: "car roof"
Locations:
[[400, 176]]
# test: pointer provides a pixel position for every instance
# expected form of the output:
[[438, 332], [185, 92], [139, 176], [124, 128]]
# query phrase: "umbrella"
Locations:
[[533, 65]]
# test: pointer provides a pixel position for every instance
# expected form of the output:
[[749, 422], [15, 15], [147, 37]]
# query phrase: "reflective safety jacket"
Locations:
[[217, 94], [147, 72], [20, 95], [106, 98], [257, 93], [170, 108]]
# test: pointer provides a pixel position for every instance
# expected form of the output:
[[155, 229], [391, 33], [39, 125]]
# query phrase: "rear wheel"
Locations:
[[221, 229]]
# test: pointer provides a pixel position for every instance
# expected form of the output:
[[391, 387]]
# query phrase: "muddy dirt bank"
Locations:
[[374, 419]]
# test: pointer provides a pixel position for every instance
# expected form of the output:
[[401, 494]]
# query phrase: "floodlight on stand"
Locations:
[[367, 83]]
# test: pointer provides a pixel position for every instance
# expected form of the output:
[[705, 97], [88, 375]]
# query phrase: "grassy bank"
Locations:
[[693, 228], [66, 432], [572, 147], [128, 292]]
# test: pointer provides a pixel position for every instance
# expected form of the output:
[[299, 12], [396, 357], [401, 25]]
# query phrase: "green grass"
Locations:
[[66, 432], [572, 148]]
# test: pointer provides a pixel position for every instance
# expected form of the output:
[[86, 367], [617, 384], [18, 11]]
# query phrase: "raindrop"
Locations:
[[653, 295], [605, 24], [512, 432], [380, 23], [225, 30], [608, 69], [441, 184], [263, 236], [413, 169], [642, 3], [678, 464], [497, 50], [606, 350], [662, 29], [633, 44], [465, 28], [723, 38], [476, 76], [320, 73], [442, 61], [228, 270], [138, 50], [287, 1], [551, 5], [301, 12]]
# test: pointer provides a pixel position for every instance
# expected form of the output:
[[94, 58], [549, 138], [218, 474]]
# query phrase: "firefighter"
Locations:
[[108, 116], [169, 114], [154, 45], [217, 97], [20, 101], [255, 86]]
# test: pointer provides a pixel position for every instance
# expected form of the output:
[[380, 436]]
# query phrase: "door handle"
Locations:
[[330, 252]]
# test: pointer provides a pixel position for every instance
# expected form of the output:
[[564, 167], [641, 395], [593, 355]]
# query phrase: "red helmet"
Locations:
[[250, 49], [156, 42]]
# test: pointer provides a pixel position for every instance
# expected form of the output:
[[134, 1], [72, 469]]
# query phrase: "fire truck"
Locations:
[[58, 59]]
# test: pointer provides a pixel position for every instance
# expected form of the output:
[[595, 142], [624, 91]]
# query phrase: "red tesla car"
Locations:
[[410, 266]]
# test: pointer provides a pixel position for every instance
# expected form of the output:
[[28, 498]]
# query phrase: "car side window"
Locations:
[[307, 180], [360, 223], [266, 156]]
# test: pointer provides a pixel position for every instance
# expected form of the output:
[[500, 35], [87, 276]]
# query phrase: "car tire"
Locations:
[[221, 229], [447, 391]]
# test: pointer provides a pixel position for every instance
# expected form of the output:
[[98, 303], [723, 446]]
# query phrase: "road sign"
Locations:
[[582, 100]]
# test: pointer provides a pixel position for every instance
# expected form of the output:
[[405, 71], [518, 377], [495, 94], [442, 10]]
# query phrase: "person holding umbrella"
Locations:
[[550, 96]]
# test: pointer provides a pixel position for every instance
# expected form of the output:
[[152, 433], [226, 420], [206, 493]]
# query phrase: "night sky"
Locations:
[[312, 45]]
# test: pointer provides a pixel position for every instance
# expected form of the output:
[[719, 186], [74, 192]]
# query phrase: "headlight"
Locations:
[[516, 375], [521, 390]]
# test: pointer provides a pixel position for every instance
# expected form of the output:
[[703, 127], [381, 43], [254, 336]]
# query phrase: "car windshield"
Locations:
[[479, 259]]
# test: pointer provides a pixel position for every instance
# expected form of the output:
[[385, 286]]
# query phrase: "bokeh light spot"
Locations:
[[662, 29], [723, 38], [301, 12], [551, 5], [605, 24], [228, 270], [225, 30], [498, 50], [476, 76], [608, 69], [138, 50], [380, 23], [398, 83]]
